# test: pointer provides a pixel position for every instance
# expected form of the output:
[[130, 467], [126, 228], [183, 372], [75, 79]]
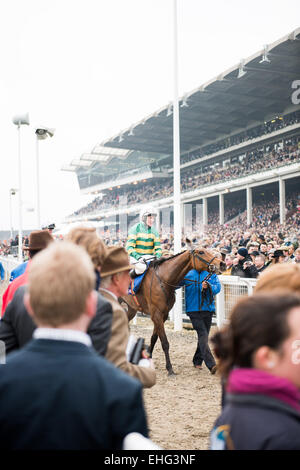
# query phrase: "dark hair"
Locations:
[[32, 253], [258, 320]]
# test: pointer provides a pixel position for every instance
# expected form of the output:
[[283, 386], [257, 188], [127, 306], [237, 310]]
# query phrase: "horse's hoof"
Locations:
[[171, 373]]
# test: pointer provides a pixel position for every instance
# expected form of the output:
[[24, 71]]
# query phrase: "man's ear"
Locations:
[[91, 304], [28, 305]]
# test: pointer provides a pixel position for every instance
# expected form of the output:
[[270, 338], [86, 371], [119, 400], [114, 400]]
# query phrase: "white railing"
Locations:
[[232, 288]]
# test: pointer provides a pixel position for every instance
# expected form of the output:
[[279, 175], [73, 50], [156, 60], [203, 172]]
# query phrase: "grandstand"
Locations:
[[240, 147]]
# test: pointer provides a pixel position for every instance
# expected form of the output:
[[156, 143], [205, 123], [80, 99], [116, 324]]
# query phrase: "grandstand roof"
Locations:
[[251, 92]]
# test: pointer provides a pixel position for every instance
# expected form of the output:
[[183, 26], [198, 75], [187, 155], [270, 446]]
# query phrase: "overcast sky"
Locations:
[[90, 68]]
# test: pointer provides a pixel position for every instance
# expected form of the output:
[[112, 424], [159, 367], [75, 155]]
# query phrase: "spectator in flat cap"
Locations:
[[38, 240], [115, 281]]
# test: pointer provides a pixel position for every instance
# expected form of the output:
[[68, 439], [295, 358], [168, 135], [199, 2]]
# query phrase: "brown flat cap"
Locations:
[[116, 261], [38, 240]]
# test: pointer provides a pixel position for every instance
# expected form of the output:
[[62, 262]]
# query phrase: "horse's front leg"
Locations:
[[154, 338], [165, 345]]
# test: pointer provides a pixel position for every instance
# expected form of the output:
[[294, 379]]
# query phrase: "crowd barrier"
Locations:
[[233, 287]]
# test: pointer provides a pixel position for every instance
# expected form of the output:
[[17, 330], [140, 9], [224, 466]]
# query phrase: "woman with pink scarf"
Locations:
[[259, 360]]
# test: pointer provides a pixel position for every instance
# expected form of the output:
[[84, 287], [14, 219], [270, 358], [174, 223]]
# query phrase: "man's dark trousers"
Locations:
[[201, 322]]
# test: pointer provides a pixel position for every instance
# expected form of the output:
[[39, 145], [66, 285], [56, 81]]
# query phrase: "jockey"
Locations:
[[143, 241]]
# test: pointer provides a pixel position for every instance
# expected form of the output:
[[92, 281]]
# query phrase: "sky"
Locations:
[[91, 68]]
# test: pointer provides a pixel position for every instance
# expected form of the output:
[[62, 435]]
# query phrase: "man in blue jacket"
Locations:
[[200, 306]]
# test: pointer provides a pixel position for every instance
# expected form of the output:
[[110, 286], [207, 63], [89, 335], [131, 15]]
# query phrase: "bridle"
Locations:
[[211, 268]]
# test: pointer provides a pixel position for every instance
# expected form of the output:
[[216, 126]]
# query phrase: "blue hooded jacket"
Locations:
[[195, 301]]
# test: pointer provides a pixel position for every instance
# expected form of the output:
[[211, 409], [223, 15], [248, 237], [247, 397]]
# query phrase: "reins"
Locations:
[[211, 269]]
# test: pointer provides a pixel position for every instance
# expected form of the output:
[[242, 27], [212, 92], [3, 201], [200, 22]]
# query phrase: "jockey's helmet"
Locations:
[[149, 210]]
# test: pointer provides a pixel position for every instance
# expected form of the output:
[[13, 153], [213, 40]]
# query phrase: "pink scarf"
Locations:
[[255, 381]]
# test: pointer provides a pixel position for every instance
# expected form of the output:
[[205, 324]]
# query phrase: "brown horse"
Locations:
[[156, 295]]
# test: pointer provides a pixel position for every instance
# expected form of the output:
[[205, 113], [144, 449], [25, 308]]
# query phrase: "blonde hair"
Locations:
[[87, 238], [280, 276], [59, 281]]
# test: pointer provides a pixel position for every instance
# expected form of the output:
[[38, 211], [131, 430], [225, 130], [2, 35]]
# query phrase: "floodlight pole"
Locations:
[[19, 120], [20, 241], [176, 173], [38, 209]]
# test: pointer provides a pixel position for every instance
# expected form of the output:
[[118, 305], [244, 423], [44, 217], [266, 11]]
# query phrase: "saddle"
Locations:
[[135, 283]]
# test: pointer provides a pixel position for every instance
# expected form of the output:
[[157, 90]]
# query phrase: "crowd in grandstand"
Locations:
[[275, 124], [191, 179]]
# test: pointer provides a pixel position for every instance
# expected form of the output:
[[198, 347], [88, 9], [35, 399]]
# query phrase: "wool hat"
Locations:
[[38, 240], [116, 261], [243, 252]]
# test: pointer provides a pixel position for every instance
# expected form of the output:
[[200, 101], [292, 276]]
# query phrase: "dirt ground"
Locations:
[[181, 409]]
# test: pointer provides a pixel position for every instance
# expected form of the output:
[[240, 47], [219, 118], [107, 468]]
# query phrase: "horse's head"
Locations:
[[205, 260]]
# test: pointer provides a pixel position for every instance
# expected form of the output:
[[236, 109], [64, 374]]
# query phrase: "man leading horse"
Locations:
[[143, 241]]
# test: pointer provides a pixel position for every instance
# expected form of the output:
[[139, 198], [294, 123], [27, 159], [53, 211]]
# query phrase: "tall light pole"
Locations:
[[12, 192], [176, 172], [41, 134], [20, 120]]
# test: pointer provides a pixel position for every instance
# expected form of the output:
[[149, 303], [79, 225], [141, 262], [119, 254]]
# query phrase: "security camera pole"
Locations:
[[41, 134], [20, 120]]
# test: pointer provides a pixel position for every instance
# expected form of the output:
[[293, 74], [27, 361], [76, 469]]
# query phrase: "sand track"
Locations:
[[181, 409]]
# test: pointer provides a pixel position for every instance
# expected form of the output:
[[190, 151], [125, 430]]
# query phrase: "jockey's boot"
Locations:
[[133, 274]]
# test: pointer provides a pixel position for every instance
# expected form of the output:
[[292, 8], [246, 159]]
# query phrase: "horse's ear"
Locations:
[[189, 243]]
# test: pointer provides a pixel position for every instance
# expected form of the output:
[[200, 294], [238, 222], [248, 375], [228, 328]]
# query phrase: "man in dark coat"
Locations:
[[56, 392], [17, 326], [245, 266]]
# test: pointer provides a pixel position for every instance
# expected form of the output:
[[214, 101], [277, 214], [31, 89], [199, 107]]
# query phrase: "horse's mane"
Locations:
[[157, 262]]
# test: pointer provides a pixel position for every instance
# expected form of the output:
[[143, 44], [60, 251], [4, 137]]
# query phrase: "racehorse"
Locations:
[[156, 295]]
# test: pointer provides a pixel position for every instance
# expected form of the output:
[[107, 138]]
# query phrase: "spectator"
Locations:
[[229, 263], [2, 273], [115, 281], [17, 326], [20, 269], [278, 277], [255, 351], [38, 240], [260, 263], [87, 238], [297, 256], [279, 257], [245, 267], [200, 306], [96, 405]]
